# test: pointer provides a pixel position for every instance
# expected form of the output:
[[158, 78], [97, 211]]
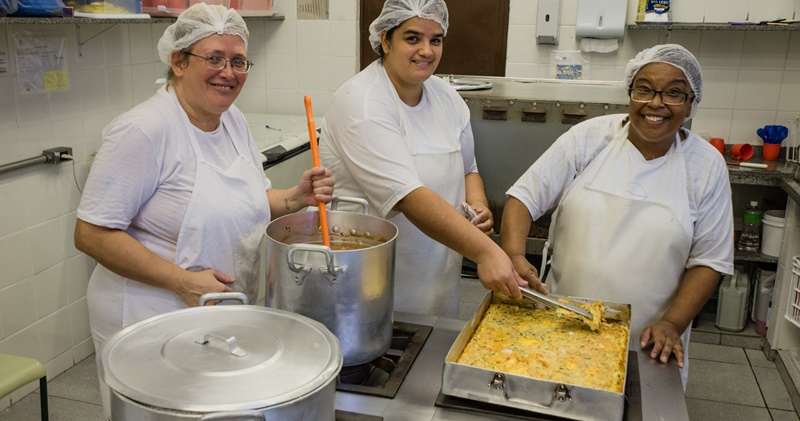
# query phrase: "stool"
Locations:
[[16, 372]]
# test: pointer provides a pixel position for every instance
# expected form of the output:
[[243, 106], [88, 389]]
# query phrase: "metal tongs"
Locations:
[[552, 302]]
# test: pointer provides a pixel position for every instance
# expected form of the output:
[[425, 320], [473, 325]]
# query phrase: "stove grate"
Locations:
[[383, 376]]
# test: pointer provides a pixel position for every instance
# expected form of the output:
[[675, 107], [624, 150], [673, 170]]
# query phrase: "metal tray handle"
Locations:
[[560, 393]]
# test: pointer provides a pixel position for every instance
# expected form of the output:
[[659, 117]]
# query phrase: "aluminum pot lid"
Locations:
[[221, 358]]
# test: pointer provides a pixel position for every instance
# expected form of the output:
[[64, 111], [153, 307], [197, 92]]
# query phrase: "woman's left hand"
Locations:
[[666, 340], [316, 185], [484, 221]]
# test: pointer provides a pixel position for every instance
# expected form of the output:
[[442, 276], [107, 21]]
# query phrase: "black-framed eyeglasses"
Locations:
[[668, 97], [239, 65]]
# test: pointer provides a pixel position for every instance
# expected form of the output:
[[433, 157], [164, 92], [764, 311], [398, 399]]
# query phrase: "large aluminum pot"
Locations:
[[350, 291], [224, 362]]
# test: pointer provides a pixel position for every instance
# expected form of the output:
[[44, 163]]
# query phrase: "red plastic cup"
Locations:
[[743, 151], [771, 151], [718, 143]]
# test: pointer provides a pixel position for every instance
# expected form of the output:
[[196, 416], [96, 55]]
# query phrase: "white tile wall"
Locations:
[[687, 10], [764, 50], [770, 10], [751, 79], [726, 11], [50, 288], [758, 90]]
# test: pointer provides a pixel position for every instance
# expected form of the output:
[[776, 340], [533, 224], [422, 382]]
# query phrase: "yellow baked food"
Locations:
[[595, 309], [545, 345]]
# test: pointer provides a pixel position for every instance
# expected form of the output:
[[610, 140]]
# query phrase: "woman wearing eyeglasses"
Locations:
[[644, 212], [176, 203]]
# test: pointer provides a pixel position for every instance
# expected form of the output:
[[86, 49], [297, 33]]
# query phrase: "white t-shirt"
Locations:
[[706, 214], [362, 140], [144, 173]]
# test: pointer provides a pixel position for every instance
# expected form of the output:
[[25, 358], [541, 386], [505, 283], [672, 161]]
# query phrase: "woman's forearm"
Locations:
[[697, 286], [442, 222], [475, 189], [124, 255], [285, 201], [514, 227]]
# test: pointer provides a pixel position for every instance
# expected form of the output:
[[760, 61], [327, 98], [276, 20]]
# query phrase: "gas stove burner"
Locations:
[[383, 376], [355, 374]]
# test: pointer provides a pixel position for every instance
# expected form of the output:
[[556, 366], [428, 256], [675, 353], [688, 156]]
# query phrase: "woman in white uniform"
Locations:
[[644, 210], [176, 203], [401, 139]]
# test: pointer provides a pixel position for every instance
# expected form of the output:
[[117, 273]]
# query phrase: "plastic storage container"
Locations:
[[37, 8], [166, 8], [766, 286], [253, 7], [7, 7], [107, 7], [732, 301], [163, 7], [750, 238], [772, 234]]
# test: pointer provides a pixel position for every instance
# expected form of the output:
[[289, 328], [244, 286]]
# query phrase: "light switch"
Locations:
[[547, 21]]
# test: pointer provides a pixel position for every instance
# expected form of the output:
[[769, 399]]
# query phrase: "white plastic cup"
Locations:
[[772, 234]]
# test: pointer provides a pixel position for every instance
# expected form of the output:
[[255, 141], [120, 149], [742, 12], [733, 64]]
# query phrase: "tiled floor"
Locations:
[[729, 379]]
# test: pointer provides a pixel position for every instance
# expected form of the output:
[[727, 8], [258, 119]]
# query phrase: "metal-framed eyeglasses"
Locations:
[[668, 97], [239, 65]]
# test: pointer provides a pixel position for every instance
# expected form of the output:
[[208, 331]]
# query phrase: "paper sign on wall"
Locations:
[[41, 61], [569, 65]]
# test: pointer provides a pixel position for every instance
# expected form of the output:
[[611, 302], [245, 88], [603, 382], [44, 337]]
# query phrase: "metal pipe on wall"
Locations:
[[41, 159]]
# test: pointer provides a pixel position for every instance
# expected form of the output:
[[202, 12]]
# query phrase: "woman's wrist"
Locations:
[[673, 325]]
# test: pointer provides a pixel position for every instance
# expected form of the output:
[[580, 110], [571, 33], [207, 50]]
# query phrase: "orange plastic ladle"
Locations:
[[312, 139]]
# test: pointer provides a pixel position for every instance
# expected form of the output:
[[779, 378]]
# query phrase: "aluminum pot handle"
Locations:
[[211, 296], [235, 416], [330, 272], [356, 200], [233, 345]]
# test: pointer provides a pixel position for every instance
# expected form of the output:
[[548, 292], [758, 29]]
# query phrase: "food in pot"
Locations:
[[545, 345], [353, 243]]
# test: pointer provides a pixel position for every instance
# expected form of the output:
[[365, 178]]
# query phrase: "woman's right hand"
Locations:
[[195, 284], [497, 274], [529, 273]]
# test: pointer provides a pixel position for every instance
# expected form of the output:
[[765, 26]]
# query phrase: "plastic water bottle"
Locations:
[[750, 239]]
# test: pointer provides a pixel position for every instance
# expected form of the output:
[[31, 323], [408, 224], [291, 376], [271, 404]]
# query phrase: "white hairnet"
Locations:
[[197, 22], [395, 12], [675, 55]]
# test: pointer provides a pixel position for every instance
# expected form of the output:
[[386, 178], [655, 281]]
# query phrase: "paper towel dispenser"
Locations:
[[601, 19]]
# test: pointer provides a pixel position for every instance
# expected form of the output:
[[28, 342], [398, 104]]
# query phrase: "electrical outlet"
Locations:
[[56, 155], [547, 21]]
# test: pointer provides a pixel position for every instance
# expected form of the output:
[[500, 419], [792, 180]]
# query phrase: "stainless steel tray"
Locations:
[[527, 393]]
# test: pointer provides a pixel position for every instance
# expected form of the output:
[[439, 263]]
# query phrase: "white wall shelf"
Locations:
[[61, 21], [688, 26]]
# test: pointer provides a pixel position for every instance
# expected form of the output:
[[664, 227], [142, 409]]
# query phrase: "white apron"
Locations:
[[222, 230], [637, 249], [427, 273]]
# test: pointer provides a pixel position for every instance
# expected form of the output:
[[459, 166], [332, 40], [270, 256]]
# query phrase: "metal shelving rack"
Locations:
[[699, 26], [88, 21]]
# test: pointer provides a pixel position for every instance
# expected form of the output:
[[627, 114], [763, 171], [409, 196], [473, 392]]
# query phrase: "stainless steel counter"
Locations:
[[661, 390]]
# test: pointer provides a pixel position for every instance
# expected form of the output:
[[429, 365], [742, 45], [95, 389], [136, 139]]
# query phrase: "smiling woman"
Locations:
[[644, 213], [176, 203], [402, 139]]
